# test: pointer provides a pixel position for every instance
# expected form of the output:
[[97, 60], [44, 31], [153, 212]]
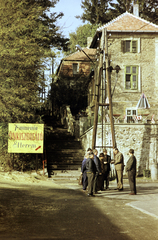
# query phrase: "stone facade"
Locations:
[[143, 138], [133, 46], [147, 62], [67, 69], [76, 64]]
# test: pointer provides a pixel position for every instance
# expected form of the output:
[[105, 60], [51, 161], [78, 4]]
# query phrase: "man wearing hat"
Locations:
[[131, 169]]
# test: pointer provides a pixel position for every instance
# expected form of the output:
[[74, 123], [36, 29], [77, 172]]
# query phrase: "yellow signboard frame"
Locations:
[[25, 138]]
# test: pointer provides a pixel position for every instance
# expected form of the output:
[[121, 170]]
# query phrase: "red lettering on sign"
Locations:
[[37, 148]]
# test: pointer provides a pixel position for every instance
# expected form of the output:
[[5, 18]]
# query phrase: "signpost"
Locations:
[[25, 138]]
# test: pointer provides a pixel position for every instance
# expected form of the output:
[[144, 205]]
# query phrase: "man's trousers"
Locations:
[[132, 181], [90, 176]]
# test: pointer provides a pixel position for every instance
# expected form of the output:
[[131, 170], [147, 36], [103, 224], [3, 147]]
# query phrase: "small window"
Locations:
[[131, 77], [129, 46], [130, 114], [75, 67]]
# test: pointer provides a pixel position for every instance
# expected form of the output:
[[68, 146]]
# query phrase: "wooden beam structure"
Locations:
[[98, 76]]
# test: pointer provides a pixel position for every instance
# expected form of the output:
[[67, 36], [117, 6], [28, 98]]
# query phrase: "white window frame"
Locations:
[[131, 115]]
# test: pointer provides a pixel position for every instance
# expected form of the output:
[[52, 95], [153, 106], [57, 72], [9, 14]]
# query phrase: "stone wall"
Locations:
[[146, 59], [143, 138]]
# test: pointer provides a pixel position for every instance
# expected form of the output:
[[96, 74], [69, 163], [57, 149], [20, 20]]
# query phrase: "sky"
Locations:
[[70, 8], [68, 23]]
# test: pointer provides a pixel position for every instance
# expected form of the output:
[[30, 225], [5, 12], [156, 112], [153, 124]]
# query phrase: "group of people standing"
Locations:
[[95, 170]]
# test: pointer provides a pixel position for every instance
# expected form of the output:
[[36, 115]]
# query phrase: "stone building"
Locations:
[[133, 47], [76, 65]]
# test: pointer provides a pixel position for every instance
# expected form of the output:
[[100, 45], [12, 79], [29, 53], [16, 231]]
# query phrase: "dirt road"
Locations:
[[45, 210]]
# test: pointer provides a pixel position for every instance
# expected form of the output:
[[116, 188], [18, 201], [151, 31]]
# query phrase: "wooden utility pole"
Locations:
[[109, 90], [97, 95]]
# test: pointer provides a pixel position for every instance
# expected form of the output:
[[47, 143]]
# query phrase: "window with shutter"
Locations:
[[129, 46], [134, 46], [123, 46]]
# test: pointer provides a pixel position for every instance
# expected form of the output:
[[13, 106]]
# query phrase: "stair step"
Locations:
[[63, 160], [63, 151], [64, 163], [64, 167]]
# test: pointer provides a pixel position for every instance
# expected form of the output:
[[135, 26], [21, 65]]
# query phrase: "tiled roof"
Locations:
[[80, 56], [129, 22]]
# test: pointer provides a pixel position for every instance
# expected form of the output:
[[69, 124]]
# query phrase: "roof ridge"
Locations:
[[71, 54], [84, 48], [112, 21], [122, 15]]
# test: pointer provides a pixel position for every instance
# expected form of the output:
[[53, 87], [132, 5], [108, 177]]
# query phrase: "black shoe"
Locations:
[[121, 189], [90, 195]]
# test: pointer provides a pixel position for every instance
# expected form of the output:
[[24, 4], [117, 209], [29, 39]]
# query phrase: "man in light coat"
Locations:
[[119, 167]]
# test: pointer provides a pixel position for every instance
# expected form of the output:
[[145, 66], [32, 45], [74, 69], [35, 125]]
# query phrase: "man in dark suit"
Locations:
[[106, 171], [131, 169], [90, 168], [83, 170], [97, 172]]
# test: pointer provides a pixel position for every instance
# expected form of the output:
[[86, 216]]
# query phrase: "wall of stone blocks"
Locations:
[[66, 69], [147, 61], [143, 138]]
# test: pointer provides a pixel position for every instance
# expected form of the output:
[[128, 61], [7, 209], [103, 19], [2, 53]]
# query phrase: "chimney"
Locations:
[[89, 40], [136, 9]]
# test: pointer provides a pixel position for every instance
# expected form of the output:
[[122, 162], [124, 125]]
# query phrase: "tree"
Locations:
[[148, 9], [27, 34], [73, 94], [121, 6], [95, 11], [80, 36], [103, 11]]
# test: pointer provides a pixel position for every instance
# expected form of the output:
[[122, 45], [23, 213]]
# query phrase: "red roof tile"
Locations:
[[129, 22], [80, 56]]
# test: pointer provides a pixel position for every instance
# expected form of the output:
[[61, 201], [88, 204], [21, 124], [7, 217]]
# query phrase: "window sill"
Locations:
[[132, 91]]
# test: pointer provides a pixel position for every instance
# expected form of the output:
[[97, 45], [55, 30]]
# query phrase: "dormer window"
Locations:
[[75, 67], [130, 45]]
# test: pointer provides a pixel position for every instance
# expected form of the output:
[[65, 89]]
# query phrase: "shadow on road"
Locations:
[[36, 212]]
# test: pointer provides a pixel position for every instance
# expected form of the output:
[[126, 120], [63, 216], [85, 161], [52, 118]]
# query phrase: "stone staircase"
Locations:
[[63, 152]]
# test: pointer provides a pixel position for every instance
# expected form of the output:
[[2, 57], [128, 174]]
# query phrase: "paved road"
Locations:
[[63, 211]]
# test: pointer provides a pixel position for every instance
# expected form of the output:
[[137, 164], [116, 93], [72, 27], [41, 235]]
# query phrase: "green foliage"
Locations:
[[95, 11], [73, 93], [148, 9], [80, 36], [26, 37], [121, 6], [103, 11]]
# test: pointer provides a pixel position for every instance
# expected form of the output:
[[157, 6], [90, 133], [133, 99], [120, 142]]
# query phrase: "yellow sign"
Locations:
[[25, 138]]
